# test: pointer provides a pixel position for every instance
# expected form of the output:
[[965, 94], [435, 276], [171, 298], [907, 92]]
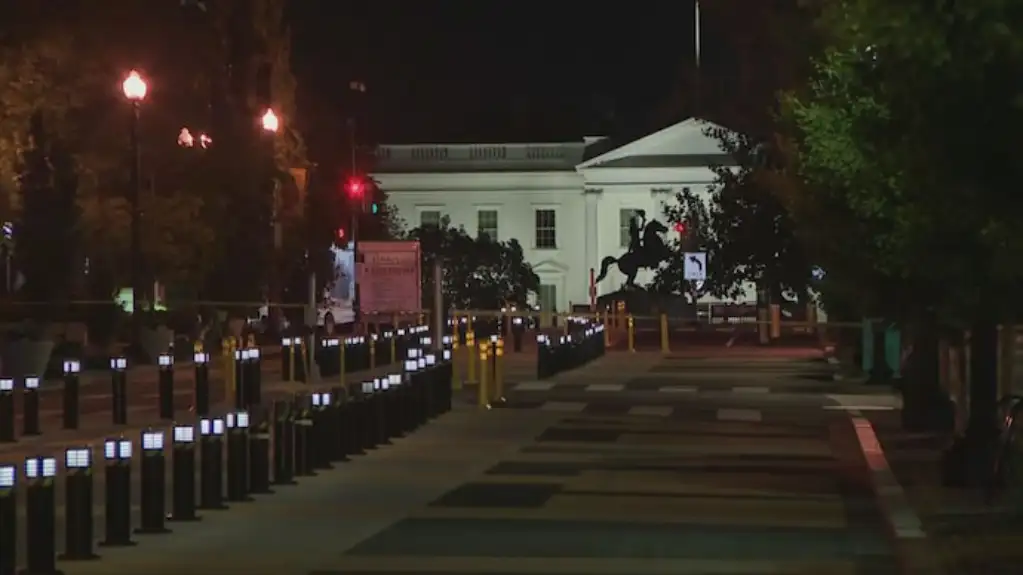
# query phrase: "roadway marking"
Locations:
[[726, 414], [853, 408], [563, 406], [605, 387], [651, 410], [534, 386], [679, 389], [751, 390]]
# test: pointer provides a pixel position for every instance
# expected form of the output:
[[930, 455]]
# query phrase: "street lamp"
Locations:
[[271, 124], [135, 89]]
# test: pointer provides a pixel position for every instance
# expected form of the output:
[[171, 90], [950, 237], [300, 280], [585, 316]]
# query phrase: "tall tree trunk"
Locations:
[[926, 407]]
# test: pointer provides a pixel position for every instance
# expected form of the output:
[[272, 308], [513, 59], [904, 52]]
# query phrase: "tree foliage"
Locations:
[[478, 273]]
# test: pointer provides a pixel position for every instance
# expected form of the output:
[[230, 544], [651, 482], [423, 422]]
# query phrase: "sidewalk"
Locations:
[[967, 535]]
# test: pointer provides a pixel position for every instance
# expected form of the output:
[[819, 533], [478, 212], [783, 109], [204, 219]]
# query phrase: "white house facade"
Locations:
[[567, 203]]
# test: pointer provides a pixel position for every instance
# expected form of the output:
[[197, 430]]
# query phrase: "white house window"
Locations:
[[486, 224], [547, 297], [429, 218], [625, 216], [546, 229]]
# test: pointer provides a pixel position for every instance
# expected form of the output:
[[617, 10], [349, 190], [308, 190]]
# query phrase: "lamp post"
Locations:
[[271, 124], [135, 88]]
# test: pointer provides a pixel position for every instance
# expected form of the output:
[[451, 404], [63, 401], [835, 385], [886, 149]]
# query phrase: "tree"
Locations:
[[907, 131], [478, 273], [693, 213], [46, 233]]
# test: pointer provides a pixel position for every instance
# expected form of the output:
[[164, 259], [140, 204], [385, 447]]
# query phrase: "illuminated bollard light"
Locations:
[[117, 454], [119, 390], [8, 520], [339, 444], [201, 361], [259, 453], [30, 406], [78, 515], [320, 439], [165, 386], [237, 425], [183, 444], [303, 438], [153, 490], [211, 464], [284, 442], [7, 410], [41, 515], [70, 396]]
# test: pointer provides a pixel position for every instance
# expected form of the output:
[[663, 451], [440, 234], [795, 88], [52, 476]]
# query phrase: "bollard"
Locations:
[[211, 464], [30, 406], [72, 367], [256, 377], [348, 421], [153, 488], [379, 413], [119, 390], [7, 410], [631, 333], [237, 457], [543, 356], [117, 493], [320, 439], [8, 520], [287, 359], [484, 369], [241, 360], [499, 373], [342, 367], [183, 474], [303, 438], [283, 443], [364, 425], [78, 515], [338, 439], [202, 383], [259, 454], [371, 342], [40, 515], [665, 340], [165, 386], [518, 330]]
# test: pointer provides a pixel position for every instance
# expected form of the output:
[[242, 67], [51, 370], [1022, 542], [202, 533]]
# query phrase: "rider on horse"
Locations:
[[636, 224]]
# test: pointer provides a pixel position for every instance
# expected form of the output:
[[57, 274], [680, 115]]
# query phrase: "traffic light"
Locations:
[[680, 227], [341, 235], [374, 208], [355, 187]]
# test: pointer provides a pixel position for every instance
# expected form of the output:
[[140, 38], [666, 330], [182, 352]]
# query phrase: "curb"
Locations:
[[913, 550]]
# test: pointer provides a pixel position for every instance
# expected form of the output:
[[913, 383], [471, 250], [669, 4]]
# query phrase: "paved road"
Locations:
[[746, 466]]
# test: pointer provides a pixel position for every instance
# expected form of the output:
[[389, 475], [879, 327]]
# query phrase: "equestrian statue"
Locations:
[[646, 249]]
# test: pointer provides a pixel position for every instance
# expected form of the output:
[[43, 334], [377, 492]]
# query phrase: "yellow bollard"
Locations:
[[484, 356], [665, 342], [456, 381], [227, 348], [564, 324], [775, 321], [607, 331], [498, 371], [371, 341], [291, 360], [631, 335], [341, 353], [470, 352]]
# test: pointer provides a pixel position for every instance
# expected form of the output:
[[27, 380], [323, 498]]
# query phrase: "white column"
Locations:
[[592, 235]]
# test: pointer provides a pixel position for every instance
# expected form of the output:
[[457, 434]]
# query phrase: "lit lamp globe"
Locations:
[[271, 122], [134, 87]]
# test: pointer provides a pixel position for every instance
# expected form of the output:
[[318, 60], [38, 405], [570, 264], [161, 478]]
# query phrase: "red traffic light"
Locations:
[[355, 187], [680, 227], [341, 233]]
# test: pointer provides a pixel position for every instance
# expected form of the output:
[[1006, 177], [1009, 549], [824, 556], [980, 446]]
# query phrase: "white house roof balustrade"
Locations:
[[454, 158]]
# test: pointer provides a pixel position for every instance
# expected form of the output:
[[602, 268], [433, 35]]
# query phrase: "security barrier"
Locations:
[[583, 344], [240, 455]]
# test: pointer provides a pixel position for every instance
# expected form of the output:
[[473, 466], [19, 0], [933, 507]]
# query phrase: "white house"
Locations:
[[567, 203]]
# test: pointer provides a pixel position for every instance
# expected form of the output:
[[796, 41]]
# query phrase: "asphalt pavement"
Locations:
[[633, 465]]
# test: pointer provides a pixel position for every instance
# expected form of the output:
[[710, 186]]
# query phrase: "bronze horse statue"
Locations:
[[648, 254]]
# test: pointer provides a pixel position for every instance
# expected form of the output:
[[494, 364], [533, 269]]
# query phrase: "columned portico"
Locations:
[[538, 192]]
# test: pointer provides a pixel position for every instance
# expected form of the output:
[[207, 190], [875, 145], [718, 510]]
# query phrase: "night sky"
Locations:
[[458, 70]]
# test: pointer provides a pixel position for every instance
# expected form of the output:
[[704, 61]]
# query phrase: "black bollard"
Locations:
[[30, 406], [259, 454], [380, 411], [7, 410], [255, 379], [320, 433], [78, 515], [119, 390], [8, 520], [338, 439], [183, 474], [41, 516], [211, 464], [237, 424], [166, 386], [303, 439], [283, 443], [241, 360], [518, 329], [365, 417], [117, 454], [70, 414], [202, 383], [153, 472]]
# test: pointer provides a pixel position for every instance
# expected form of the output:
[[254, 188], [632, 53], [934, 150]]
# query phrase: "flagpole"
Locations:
[[696, 58]]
